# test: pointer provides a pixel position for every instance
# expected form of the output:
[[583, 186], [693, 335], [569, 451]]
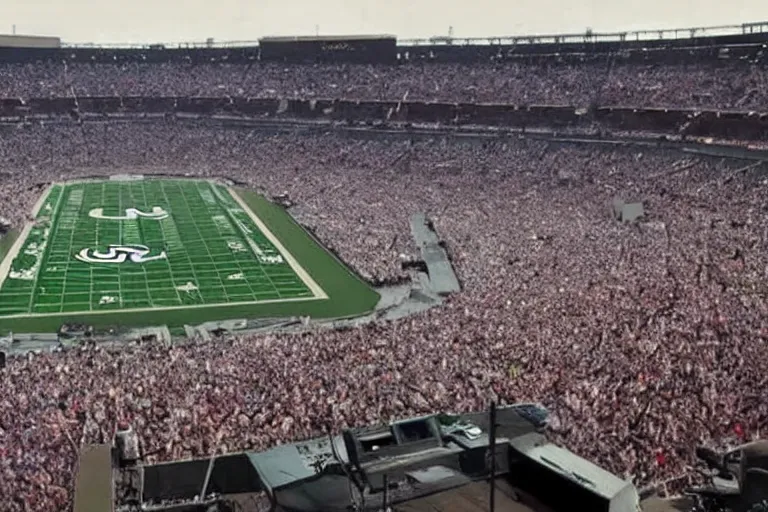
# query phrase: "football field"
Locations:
[[120, 252]]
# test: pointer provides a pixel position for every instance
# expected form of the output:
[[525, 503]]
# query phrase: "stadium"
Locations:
[[372, 273]]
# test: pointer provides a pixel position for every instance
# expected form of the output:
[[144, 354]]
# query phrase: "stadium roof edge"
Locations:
[[353, 37], [637, 35], [29, 41]]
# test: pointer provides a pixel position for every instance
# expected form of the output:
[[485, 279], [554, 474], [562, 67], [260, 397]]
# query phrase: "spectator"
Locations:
[[643, 340]]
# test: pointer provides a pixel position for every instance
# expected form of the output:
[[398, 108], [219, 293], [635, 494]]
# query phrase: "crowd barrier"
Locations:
[[676, 122]]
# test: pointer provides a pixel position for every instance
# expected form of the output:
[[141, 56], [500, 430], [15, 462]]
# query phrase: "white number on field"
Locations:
[[157, 213], [119, 254]]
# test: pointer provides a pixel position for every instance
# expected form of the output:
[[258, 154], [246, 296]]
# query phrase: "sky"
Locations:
[[154, 21]]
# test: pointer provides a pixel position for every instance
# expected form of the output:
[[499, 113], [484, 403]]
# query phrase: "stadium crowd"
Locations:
[[643, 340], [739, 86]]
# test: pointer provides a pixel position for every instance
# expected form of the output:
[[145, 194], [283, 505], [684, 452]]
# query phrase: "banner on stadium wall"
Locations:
[[359, 49]]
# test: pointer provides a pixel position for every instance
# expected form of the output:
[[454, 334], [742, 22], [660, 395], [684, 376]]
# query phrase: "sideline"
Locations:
[[315, 288], [5, 265]]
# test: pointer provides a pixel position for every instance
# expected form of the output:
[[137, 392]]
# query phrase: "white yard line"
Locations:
[[318, 292], [214, 192], [167, 261], [160, 309], [202, 243], [70, 245]]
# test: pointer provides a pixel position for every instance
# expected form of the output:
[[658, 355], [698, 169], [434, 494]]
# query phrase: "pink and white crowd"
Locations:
[[724, 85], [643, 340]]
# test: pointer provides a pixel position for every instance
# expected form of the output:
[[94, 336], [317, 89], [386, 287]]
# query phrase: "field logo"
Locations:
[[119, 254], [130, 214], [263, 257], [236, 246], [189, 287]]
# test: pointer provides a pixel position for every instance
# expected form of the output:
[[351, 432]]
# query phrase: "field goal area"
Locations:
[[110, 246]]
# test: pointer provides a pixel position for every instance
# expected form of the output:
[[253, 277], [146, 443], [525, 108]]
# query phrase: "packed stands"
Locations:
[[643, 340]]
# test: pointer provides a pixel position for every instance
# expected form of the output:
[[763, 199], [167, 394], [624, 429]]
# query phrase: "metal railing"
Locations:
[[585, 37], [596, 37]]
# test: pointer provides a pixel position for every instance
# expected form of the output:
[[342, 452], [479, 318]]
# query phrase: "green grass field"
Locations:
[[6, 242], [169, 251]]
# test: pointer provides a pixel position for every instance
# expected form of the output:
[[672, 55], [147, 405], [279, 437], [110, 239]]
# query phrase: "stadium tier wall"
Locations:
[[749, 46], [523, 45], [673, 122]]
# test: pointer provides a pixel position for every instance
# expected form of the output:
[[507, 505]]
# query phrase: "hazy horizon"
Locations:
[[147, 21]]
